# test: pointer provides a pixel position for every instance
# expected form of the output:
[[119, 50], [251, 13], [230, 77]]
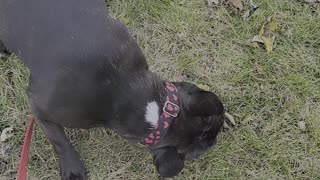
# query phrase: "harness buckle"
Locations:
[[173, 111]]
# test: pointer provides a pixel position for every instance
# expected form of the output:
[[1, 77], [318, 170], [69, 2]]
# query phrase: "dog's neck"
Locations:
[[139, 109], [154, 104]]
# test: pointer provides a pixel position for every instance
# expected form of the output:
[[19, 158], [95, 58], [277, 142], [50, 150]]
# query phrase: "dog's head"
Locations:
[[192, 133]]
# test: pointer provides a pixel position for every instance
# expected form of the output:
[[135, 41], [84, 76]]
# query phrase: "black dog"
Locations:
[[87, 71]]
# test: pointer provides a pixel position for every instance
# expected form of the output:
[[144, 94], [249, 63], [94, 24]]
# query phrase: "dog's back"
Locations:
[[77, 55], [70, 30]]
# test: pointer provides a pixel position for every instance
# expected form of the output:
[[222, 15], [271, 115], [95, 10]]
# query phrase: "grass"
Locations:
[[268, 94]]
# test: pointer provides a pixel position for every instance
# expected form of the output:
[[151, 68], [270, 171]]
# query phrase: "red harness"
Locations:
[[169, 112]]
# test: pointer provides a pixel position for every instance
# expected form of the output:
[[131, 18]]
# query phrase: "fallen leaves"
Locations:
[[230, 118], [5, 148], [6, 134], [236, 4], [312, 1], [302, 125], [204, 87], [252, 9], [246, 6], [267, 34], [229, 121], [211, 4], [255, 41], [269, 29]]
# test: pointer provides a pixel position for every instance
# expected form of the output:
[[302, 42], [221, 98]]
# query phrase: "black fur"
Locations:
[[87, 71], [3, 50], [168, 161]]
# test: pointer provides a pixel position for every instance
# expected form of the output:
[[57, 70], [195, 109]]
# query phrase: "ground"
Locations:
[[267, 93]]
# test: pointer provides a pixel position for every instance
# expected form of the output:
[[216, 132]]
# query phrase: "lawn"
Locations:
[[268, 94]]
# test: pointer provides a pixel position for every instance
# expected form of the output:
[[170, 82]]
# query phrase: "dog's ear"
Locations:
[[168, 161], [203, 103]]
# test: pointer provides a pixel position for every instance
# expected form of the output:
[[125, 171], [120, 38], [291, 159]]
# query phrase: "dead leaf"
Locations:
[[253, 44], [230, 118], [4, 150], [226, 125], [237, 4], [6, 134], [312, 1], [256, 38], [268, 33], [246, 14], [211, 4], [252, 4], [302, 125], [251, 10], [204, 87], [255, 41], [181, 78]]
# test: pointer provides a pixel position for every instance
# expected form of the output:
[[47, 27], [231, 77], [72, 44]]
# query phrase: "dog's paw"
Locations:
[[74, 173], [73, 170]]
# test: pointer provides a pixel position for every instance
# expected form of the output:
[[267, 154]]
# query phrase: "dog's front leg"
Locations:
[[71, 167]]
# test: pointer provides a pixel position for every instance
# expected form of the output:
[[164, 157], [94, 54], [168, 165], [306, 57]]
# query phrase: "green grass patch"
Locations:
[[268, 94]]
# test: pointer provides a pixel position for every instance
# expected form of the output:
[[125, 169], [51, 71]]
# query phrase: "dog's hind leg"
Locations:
[[71, 167]]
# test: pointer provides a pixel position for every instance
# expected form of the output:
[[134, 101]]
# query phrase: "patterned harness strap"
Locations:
[[170, 111]]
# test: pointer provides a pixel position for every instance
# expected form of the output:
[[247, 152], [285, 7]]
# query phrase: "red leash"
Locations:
[[23, 164]]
